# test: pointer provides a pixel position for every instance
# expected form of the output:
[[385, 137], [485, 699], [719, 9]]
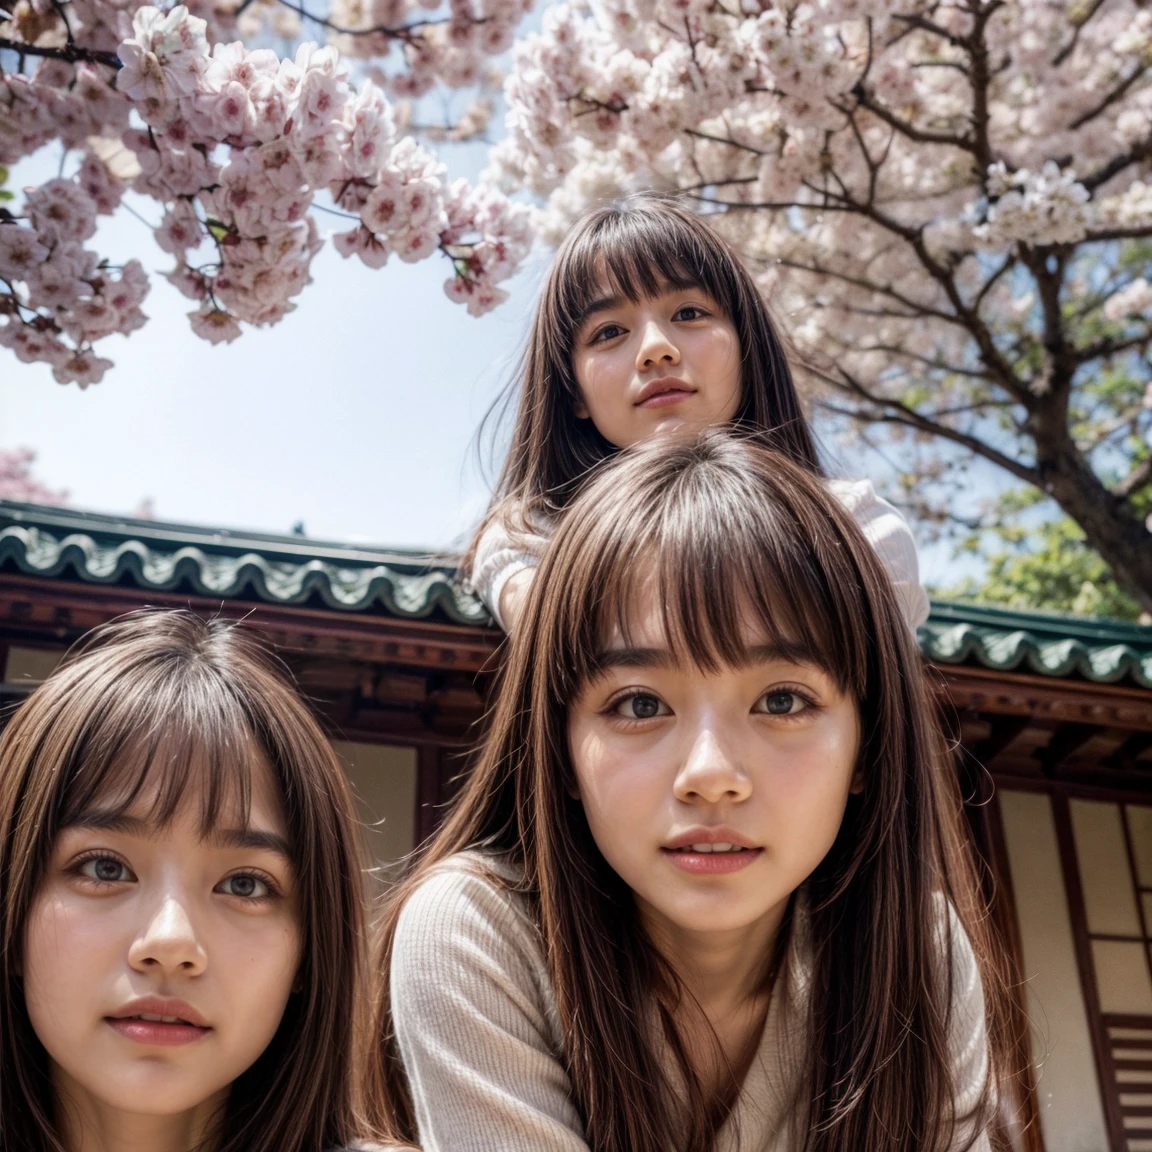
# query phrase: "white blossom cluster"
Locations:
[[232, 144], [874, 159]]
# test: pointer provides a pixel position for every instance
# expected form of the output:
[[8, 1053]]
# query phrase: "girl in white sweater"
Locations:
[[706, 888], [649, 325]]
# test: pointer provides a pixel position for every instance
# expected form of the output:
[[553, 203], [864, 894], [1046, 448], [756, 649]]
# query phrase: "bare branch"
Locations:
[[1111, 346], [697, 134], [1139, 477], [1136, 155], [894, 411], [1070, 47], [402, 32], [909, 131], [69, 53], [1117, 93]]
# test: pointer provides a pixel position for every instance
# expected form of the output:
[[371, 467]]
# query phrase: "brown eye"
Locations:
[[106, 869], [641, 706], [244, 885], [782, 702]]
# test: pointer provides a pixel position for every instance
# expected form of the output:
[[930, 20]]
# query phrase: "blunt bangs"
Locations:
[[640, 249], [733, 552], [197, 746]]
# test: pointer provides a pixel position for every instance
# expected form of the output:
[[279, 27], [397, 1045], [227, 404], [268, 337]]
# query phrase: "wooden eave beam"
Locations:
[[60, 611]]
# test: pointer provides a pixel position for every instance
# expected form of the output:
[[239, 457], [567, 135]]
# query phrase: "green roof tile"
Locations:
[[275, 569], [64, 544], [1047, 643]]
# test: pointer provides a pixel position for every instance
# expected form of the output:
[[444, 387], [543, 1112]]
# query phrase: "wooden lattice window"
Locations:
[[1112, 905]]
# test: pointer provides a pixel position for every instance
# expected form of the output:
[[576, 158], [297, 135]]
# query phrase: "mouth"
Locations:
[[712, 851], [712, 859], [663, 392], [154, 1021]]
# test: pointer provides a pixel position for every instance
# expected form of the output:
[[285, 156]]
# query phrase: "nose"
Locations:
[[712, 772], [169, 941], [656, 347]]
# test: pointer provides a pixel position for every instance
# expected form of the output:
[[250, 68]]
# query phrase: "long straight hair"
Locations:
[[633, 248], [166, 705], [725, 535]]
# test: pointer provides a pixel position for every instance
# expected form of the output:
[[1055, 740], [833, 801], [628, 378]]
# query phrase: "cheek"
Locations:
[[812, 790], [621, 792], [69, 957], [265, 961], [726, 360]]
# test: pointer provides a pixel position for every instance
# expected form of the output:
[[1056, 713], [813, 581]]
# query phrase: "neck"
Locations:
[[91, 1125], [724, 971]]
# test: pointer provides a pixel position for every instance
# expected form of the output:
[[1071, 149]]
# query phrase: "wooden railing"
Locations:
[[1130, 1048]]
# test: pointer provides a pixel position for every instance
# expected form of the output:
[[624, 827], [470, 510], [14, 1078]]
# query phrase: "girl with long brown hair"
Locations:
[[706, 889], [649, 325], [181, 903]]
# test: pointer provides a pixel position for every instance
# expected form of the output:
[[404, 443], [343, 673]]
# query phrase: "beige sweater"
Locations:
[[480, 1037]]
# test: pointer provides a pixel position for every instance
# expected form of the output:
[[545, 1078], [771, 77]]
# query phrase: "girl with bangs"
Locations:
[[180, 903], [649, 325], [707, 888]]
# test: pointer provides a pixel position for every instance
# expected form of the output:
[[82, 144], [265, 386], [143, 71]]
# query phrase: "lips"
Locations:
[[711, 851], [663, 390], [156, 1020], [710, 838]]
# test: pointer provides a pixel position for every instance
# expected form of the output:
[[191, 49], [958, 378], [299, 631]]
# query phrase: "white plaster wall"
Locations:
[[1068, 1089], [30, 664], [383, 778]]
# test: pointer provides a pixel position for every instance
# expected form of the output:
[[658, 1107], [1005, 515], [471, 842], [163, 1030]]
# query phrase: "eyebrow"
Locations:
[[664, 659], [601, 304], [255, 839]]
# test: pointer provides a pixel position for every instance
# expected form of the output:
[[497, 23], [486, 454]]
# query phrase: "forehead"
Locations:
[[178, 780], [647, 630]]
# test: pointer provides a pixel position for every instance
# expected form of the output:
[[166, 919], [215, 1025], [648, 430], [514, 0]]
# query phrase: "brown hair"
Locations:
[[633, 247], [166, 700], [714, 531]]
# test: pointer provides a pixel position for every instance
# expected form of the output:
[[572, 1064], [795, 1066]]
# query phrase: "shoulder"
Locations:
[[860, 498], [465, 928], [468, 889]]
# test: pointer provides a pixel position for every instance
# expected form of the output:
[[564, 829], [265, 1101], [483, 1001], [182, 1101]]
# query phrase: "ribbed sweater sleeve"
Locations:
[[475, 1022]]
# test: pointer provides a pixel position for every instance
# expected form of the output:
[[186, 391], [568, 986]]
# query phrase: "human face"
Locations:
[[666, 364], [760, 756], [157, 962]]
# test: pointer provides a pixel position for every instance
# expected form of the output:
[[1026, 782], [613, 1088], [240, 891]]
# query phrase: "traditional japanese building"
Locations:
[[1052, 716]]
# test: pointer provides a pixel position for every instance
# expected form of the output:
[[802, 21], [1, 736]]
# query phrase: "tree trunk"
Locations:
[[1108, 522]]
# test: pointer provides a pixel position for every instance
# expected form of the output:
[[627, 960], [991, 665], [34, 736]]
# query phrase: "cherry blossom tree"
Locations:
[[233, 144], [17, 481], [948, 201]]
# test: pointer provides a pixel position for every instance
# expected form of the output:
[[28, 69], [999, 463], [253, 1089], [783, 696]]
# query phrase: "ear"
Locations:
[[580, 409], [857, 785]]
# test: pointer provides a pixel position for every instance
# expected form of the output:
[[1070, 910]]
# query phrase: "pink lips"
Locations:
[[713, 863], [664, 391], [159, 1021], [680, 850]]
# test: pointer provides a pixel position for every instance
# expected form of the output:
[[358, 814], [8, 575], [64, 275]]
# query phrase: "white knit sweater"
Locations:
[[480, 1039]]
